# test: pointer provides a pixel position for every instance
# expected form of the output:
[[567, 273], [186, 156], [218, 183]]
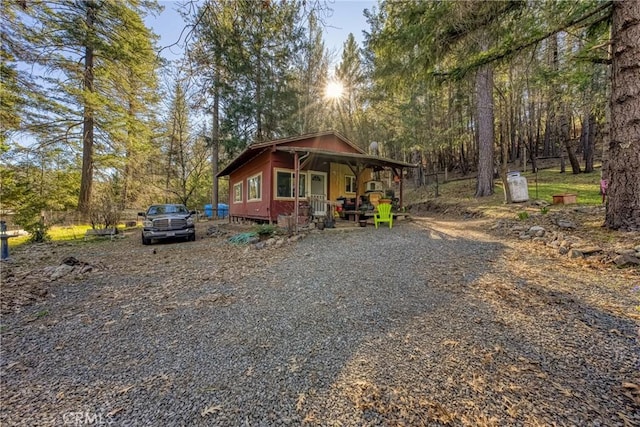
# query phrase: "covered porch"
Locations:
[[364, 169]]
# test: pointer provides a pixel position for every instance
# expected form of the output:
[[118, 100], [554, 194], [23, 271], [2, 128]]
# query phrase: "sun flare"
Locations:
[[334, 90]]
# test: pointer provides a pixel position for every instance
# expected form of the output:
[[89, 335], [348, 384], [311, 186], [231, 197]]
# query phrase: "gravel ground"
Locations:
[[429, 323]]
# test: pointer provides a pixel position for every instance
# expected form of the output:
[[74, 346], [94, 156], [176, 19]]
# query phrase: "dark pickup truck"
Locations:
[[167, 221]]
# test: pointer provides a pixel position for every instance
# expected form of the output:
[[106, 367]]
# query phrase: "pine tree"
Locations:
[[350, 75], [311, 78], [623, 205], [87, 49]]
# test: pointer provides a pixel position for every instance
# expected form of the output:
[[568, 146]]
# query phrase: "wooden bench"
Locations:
[[100, 232], [357, 215]]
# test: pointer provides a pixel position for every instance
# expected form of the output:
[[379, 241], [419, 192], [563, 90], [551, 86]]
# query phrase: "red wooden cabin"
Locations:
[[262, 179]]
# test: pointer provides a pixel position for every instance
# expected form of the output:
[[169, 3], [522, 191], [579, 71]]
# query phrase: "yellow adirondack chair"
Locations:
[[383, 215]]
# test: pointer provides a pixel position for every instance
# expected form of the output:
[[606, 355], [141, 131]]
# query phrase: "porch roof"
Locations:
[[359, 160], [352, 159]]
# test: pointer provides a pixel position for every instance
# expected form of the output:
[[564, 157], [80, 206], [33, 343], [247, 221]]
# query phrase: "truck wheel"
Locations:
[[145, 241], [192, 237]]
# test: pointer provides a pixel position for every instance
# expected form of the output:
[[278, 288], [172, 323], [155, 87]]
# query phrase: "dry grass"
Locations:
[[456, 201], [542, 186]]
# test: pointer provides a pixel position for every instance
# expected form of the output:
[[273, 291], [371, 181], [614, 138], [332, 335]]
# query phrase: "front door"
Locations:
[[318, 193]]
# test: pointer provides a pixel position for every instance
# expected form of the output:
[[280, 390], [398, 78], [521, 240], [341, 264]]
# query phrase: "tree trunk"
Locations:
[[623, 204], [504, 167], [215, 143], [551, 133], [128, 159], [86, 180], [533, 123], [588, 140], [259, 131], [484, 107], [568, 144], [573, 159], [547, 150], [416, 158]]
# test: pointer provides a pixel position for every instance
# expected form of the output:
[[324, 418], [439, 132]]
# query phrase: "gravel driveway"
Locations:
[[423, 324]]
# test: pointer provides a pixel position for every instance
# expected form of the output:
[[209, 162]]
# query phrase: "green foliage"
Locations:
[[30, 217], [311, 73], [546, 58], [409, 88], [36, 182], [42, 313], [120, 96], [185, 154], [544, 210], [265, 230], [56, 233], [10, 101], [250, 46], [550, 182], [523, 215], [242, 238], [33, 181], [105, 208]]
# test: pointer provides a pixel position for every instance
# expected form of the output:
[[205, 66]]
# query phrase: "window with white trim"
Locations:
[[286, 182], [237, 192], [254, 187], [349, 184]]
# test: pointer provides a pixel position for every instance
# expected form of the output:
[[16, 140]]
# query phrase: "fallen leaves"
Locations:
[[211, 410], [125, 390], [632, 391]]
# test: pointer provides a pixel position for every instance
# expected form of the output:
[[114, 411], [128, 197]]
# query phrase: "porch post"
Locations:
[[296, 170], [401, 189]]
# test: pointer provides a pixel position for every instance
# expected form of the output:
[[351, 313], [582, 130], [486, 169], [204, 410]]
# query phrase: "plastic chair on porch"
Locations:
[[383, 215]]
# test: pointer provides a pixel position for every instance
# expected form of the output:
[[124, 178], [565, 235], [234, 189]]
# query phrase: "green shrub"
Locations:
[[523, 215], [29, 217], [265, 230]]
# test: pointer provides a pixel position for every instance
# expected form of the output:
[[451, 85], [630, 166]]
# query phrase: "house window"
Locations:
[[254, 187], [349, 184], [237, 192], [285, 184]]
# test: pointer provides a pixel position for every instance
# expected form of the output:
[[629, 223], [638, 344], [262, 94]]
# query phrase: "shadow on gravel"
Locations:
[[408, 326]]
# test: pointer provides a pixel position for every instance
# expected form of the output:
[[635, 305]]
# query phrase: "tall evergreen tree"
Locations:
[[311, 78], [252, 46], [623, 206], [186, 157], [16, 85], [413, 42], [87, 48], [350, 75], [427, 39]]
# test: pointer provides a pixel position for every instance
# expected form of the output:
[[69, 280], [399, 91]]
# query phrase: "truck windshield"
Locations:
[[167, 209]]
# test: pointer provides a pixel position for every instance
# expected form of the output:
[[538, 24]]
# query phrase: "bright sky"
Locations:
[[346, 18]]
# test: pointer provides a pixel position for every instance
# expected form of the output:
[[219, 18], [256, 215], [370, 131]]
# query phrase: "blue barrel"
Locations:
[[223, 210], [208, 211]]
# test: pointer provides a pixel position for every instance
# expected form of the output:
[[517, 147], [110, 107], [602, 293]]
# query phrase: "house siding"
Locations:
[[268, 209], [252, 209], [337, 181]]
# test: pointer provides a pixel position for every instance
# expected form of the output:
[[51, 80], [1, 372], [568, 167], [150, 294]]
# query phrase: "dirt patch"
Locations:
[[581, 223], [35, 271], [436, 321], [444, 209]]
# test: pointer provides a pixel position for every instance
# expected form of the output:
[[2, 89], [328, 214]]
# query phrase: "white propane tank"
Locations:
[[518, 187]]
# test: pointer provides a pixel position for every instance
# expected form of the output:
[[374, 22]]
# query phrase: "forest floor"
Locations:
[[455, 317]]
